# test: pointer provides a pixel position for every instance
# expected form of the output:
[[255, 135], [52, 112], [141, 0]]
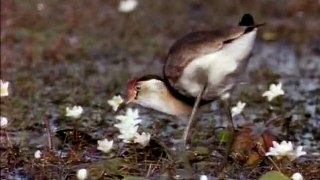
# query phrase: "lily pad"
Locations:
[[274, 175]]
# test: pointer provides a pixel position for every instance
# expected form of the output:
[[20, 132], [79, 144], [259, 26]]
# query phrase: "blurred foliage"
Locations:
[[62, 31]]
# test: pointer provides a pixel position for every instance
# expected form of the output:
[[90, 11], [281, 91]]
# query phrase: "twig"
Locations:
[[149, 171], [274, 164], [49, 134], [286, 126], [102, 174], [259, 145], [7, 138]]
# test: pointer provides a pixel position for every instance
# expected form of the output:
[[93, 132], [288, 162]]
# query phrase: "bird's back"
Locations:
[[214, 56]]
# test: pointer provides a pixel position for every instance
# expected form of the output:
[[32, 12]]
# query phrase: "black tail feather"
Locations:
[[246, 20]]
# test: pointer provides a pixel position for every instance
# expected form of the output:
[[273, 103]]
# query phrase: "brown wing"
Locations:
[[194, 45]]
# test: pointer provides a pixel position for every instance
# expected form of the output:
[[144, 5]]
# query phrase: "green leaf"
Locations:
[[224, 136], [274, 175], [133, 178]]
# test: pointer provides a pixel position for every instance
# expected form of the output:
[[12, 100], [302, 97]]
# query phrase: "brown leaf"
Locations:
[[245, 148]]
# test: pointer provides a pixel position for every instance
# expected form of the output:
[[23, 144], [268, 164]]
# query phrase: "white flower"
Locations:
[[105, 145], [142, 138], [128, 134], [127, 6], [4, 88], [238, 108], [297, 176], [124, 125], [203, 177], [37, 154], [285, 149], [274, 91], [128, 124], [82, 174], [74, 112], [130, 114], [40, 6], [280, 150], [115, 102], [3, 122], [297, 153]]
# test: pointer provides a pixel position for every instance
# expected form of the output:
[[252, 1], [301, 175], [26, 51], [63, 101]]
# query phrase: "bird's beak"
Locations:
[[120, 107], [130, 100]]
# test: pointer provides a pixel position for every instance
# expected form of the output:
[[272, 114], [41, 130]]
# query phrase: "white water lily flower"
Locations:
[[128, 124], [126, 6], [130, 114], [297, 153], [3, 122], [128, 134], [123, 126], [37, 154], [115, 102], [280, 150], [274, 91], [82, 174], [105, 145], [238, 108], [203, 177], [285, 149], [142, 138], [74, 112], [297, 176], [4, 86]]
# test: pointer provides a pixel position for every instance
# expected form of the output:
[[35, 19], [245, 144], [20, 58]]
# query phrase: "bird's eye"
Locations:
[[138, 87]]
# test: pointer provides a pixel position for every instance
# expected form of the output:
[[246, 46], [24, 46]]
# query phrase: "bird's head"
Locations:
[[151, 91], [144, 89]]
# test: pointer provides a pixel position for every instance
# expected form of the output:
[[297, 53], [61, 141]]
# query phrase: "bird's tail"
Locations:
[[247, 21]]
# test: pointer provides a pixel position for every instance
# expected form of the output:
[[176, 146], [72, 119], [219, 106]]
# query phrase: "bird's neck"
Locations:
[[176, 106], [175, 94], [165, 102]]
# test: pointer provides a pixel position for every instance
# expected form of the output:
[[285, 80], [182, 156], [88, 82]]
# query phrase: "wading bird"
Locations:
[[200, 67]]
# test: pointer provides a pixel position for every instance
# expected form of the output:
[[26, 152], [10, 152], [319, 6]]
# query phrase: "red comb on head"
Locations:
[[131, 92], [132, 83], [131, 88]]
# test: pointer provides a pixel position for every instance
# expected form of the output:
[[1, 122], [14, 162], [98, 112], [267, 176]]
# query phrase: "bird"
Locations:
[[200, 67]]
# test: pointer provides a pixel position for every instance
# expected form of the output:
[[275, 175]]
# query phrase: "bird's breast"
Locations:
[[215, 67]]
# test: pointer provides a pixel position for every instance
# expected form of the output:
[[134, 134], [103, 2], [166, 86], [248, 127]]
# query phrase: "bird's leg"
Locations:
[[182, 153], [226, 106], [193, 113]]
